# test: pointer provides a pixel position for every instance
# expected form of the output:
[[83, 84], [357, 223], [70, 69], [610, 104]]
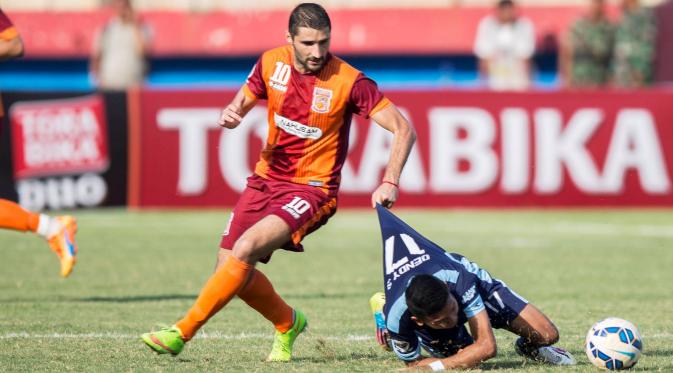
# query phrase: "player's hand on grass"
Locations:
[[386, 194], [231, 116]]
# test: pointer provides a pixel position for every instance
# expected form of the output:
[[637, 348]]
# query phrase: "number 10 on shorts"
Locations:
[[296, 207]]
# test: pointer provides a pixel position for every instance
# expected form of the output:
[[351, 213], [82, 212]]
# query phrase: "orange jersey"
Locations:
[[309, 116], [7, 33], [7, 29]]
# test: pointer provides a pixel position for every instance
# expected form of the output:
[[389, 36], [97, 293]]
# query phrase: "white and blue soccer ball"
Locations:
[[614, 344]]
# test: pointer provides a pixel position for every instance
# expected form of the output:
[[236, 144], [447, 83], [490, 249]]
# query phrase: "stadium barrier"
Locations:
[[474, 149]]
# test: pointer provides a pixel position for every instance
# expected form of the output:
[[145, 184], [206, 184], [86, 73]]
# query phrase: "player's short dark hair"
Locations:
[[505, 3], [426, 295], [309, 15]]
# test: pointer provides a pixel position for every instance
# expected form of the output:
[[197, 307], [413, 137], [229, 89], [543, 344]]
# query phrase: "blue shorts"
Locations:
[[502, 306]]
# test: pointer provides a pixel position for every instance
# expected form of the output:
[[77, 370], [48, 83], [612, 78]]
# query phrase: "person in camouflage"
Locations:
[[588, 51], [632, 63]]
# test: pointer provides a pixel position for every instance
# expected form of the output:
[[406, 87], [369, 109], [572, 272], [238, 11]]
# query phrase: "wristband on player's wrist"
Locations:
[[436, 366], [391, 183]]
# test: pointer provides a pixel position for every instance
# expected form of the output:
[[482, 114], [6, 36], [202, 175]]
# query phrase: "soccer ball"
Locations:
[[613, 344]]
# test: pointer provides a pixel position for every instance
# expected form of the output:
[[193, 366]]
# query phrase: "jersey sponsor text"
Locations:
[[296, 128]]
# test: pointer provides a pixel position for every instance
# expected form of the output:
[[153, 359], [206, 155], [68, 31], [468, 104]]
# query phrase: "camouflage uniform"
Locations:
[[632, 65], [592, 44]]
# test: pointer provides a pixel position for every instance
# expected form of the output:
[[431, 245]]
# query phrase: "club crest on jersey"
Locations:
[[322, 99]]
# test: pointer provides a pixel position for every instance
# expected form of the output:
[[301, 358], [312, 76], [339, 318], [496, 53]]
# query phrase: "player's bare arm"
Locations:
[[142, 43], [483, 348], [11, 48], [94, 60], [404, 137], [566, 60], [233, 114]]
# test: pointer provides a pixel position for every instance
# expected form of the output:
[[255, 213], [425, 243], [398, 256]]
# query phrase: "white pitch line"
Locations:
[[241, 336]]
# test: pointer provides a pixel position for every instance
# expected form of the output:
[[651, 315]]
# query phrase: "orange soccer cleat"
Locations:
[[63, 243]]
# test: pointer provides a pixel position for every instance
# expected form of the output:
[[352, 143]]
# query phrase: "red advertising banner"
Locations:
[[369, 31], [474, 149], [57, 137]]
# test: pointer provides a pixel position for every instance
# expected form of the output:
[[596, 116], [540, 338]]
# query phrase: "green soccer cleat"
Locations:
[[282, 342], [165, 341]]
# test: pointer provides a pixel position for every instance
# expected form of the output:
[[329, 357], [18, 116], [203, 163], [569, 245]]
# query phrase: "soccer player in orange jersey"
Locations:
[[58, 231], [311, 97]]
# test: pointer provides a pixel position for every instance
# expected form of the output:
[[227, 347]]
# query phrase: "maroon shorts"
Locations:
[[304, 208]]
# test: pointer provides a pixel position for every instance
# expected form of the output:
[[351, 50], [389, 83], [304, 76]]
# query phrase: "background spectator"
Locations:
[[504, 44], [118, 60], [633, 61], [586, 54], [664, 45]]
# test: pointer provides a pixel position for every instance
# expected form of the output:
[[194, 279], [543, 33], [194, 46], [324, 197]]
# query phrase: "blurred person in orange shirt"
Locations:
[[59, 231], [505, 44], [11, 45], [119, 55]]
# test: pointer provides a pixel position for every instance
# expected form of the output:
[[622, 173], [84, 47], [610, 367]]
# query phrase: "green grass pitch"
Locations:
[[138, 269]]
